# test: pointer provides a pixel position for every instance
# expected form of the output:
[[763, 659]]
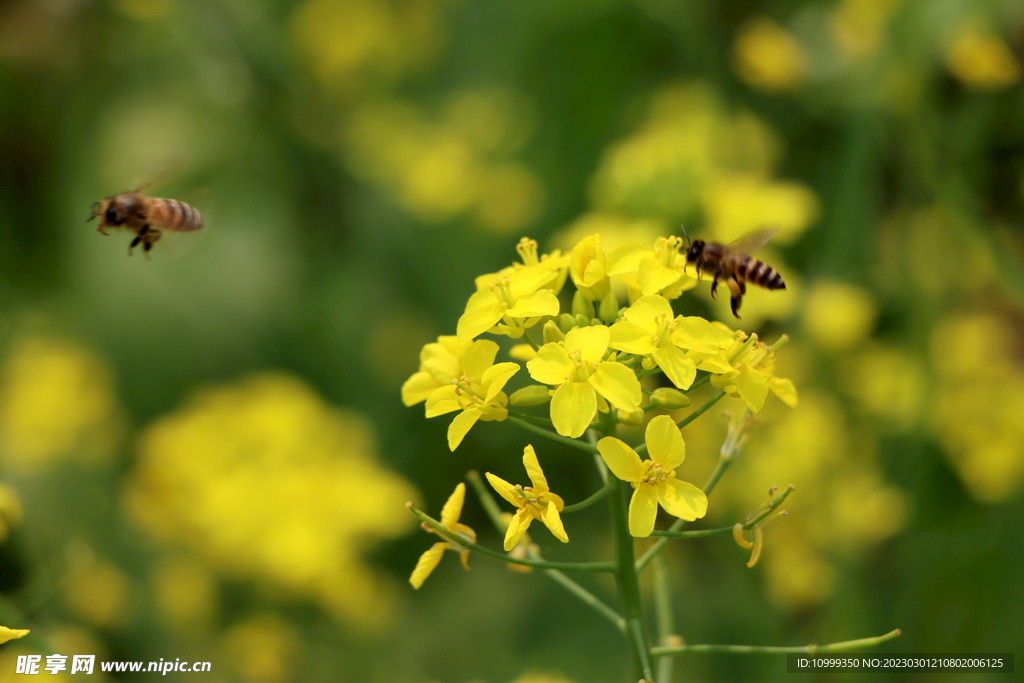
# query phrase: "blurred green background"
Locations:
[[206, 457]]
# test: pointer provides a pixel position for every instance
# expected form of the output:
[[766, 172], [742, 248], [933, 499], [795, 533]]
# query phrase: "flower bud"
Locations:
[[609, 309], [582, 321], [552, 334], [633, 418], [533, 395], [667, 398], [566, 322], [581, 305]]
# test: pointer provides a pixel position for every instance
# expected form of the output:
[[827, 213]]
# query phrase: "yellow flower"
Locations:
[[767, 56], [751, 378], [650, 330], [477, 392], [12, 633], [585, 381], [556, 262], [440, 363], [450, 518], [982, 60], [654, 481], [520, 299], [663, 270], [533, 502]]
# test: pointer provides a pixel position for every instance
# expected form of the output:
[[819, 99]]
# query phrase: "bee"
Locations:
[[147, 217], [733, 264]]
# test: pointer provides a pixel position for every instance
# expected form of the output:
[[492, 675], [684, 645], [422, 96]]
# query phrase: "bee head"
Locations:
[[695, 252]]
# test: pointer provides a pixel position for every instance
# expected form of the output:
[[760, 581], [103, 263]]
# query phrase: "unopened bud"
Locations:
[[566, 323], [581, 305], [667, 398], [552, 334], [609, 309], [633, 418], [533, 395], [582, 321]]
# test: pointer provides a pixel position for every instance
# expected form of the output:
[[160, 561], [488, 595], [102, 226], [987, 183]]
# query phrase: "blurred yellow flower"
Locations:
[[97, 591], [859, 25], [185, 592], [10, 510], [838, 316], [262, 649], [767, 56], [738, 203], [510, 197], [264, 480], [981, 59], [888, 383], [56, 401], [979, 403]]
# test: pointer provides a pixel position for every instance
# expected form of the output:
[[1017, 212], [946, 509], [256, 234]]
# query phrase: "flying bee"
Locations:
[[733, 264], [147, 217]]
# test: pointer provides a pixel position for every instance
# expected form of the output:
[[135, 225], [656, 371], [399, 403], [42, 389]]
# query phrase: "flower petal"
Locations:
[[520, 523], [443, 400], [643, 509], [625, 258], [653, 276], [552, 365], [682, 499], [504, 489], [591, 342], [665, 442], [572, 408], [554, 523], [12, 633], [528, 280], [697, 334], [676, 366], [621, 459], [539, 303], [646, 309], [753, 387], [631, 338], [418, 387], [453, 507], [482, 312], [495, 378], [478, 357], [536, 474], [619, 385], [461, 425], [783, 388], [425, 565]]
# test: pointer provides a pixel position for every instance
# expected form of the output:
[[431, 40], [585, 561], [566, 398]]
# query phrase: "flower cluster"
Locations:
[[593, 357]]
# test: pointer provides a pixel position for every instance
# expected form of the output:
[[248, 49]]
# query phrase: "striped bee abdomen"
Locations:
[[175, 215], [760, 273]]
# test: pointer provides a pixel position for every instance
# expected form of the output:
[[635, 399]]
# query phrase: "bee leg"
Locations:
[[135, 243], [737, 289], [714, 286]]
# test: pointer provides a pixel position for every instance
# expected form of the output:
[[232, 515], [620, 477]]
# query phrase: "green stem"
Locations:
[[698, 384], [663, 615], [551, 436], [844, 646], [461, 541], [587, 502], [535, 419], [700, 411], [693, 534], [625, 575]]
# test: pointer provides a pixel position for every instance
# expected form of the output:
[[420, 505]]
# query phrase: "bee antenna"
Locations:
[[685, 233]]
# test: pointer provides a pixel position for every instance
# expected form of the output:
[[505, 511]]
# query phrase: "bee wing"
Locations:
[[173, 162], [753, 241]]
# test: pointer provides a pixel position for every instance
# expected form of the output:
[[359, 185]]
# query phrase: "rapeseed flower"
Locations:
[[517, 301], [649, 329], [440, 363], [450, 514], [654, 480], [477, 392], [586, 381], [533, 502]]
